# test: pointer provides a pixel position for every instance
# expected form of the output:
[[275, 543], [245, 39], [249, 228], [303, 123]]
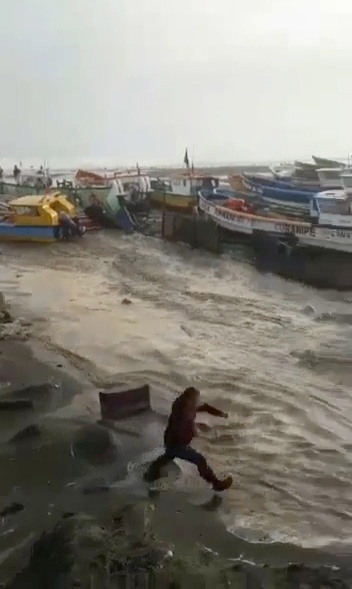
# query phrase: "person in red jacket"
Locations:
[[180, 431]]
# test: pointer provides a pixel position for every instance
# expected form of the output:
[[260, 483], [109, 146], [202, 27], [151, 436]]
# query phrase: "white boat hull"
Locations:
[[308, 235], [335, 239], [246, 223]]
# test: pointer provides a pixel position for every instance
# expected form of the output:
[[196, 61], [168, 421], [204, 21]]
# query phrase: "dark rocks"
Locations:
[[51, 560], [79, 548], [16, 405], [5, 316], [95, 444], [28, 433], [81, 552], [126, 302], [33, 391], [11, 509], [21, 398]]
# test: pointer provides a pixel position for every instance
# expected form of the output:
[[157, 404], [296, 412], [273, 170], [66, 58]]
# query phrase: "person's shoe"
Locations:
[[223, 485]]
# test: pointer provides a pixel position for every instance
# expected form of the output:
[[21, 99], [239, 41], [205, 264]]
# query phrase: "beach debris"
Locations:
[[309, 310], [186, 330], [11, 509], [126, 302], [13, 330], [120, 403]]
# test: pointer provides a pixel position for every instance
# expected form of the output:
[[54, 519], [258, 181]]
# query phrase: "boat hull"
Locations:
[[307, 235], [246, 223], [18, 190], [27, 233], [325, 238], [173, 202], [295, 201], [281, 184], [113, 213]]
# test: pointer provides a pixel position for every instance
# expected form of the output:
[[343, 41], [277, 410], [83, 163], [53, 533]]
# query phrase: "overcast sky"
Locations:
[[139, 80]]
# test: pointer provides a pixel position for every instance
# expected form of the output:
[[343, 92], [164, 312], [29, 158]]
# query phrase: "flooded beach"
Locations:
[[273, 354]]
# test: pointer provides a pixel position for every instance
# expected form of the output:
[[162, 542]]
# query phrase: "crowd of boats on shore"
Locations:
[[310, 203]]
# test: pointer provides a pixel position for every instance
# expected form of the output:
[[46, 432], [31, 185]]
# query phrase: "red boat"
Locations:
[[88, 179]]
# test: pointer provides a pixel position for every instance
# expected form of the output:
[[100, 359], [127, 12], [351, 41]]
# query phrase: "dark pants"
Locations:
[[183, 453]]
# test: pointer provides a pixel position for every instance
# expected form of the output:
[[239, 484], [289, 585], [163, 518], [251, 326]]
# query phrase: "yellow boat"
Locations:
[[36, 218], [182, 196]]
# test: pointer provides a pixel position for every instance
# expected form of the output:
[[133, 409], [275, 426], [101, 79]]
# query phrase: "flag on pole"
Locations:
[[185, 159]]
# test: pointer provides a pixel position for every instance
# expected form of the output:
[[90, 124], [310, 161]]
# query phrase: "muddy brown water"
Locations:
[[274, 354]]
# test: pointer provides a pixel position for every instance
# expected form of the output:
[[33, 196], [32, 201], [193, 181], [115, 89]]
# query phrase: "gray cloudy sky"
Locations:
[[138, 80]]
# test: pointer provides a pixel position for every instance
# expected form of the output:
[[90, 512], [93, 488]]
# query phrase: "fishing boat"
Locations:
[[300, 173], [182, 193], [305, 165], [287, 200], [30, 183], [108, 210], [281, 184], [330, 178], [38, 218], [104, 204], [134, 186], [88, 179], [331, 216], [329, 226], [282, 170], [322, 162], [86, 183], [240, 221]]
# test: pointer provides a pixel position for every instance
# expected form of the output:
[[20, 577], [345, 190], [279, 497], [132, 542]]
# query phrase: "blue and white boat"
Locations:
[[329, 226], [331, 217], [282, 184], [286, 200]]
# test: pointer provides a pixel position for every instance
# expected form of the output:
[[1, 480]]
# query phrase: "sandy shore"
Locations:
[[47, 478]]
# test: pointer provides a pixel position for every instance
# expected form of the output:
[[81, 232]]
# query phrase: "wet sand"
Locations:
[[39, 474], [274, 354]]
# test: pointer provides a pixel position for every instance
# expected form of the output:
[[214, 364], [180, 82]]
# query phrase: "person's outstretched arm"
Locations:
[[206, 408]]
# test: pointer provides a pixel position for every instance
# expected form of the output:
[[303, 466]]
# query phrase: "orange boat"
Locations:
[[85, 178]]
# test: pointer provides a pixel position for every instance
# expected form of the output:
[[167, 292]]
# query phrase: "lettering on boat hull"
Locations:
[[288, 228]]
